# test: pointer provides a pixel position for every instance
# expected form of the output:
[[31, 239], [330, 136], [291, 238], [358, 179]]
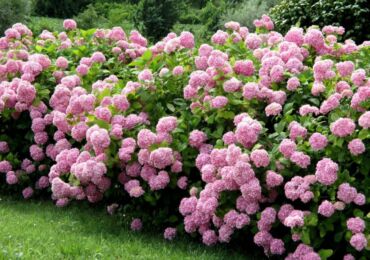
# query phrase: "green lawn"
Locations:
[[39, 230]]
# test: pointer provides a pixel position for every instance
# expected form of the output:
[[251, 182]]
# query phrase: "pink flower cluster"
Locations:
[[277, 126]]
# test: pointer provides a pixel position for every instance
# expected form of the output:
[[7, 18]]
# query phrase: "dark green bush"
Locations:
[[156, 18], [59, 8], [90, 18], [13, 11], [201, 20], [107, 15], [38, 24], [121, 15], [353, 15]]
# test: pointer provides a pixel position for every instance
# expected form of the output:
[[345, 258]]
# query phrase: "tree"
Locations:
[[13, 11], [156, 18], [60, 8]]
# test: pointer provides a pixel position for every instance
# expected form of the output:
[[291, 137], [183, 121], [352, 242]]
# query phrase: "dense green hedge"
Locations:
[[353, 15]]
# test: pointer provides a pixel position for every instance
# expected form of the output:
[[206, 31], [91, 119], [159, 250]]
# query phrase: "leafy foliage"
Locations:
[[246, 11], [38, 24], [59, 8], [352, 15], [13, 12], [157, 18], [251, 135]]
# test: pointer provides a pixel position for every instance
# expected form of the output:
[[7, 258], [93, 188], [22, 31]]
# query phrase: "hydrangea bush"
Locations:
[[254, 135]]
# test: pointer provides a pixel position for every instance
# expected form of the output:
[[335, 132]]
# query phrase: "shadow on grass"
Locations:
[[92, 221]]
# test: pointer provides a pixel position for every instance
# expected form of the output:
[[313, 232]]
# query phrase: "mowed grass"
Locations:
[[39, 230]]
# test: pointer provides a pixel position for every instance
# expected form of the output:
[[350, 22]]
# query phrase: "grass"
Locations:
[[39, 230]]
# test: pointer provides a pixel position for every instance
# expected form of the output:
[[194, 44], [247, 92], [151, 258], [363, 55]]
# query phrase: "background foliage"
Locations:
[[353, 15], [13, 12], [246, 11], [156, 18]]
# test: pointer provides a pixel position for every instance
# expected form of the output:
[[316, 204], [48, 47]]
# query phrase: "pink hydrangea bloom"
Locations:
[[356, 225], [326, 209], [169, 233], [182, 183], [273, 179], [250, 90], [187, 40], [295, 35], [300, 159], [219, 102], [318, 141], [61, 62], [345, 68], [326, 171], [260, 158], [220, 37], [197, 138], [294, 219], [166, 124], [178, 70], [136, 224], [11, 178], [247, 132], [358, 77], [146, 138], [232, 85], [358, 241], [245, 68], [346, 193], [98, 57], [287, 147], [293, 83], [4, 148], [364, 120], [161, 157], [360, 199], [209, 237], [343, 127], [69, 24], [253, 41], [228, 138], [273, 109], [356, 147], [296, 130], [348, 257], [277, 247], [27, 193]]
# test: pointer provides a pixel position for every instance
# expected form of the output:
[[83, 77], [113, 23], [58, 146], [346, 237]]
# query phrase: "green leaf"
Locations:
[[105, 92], [38, 48], [170, 107], [325, 253], [358, 213], [147, 55], [338, 237], [311, 220], [226, 114], [173, 218], [306, 236], [364, 134]]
